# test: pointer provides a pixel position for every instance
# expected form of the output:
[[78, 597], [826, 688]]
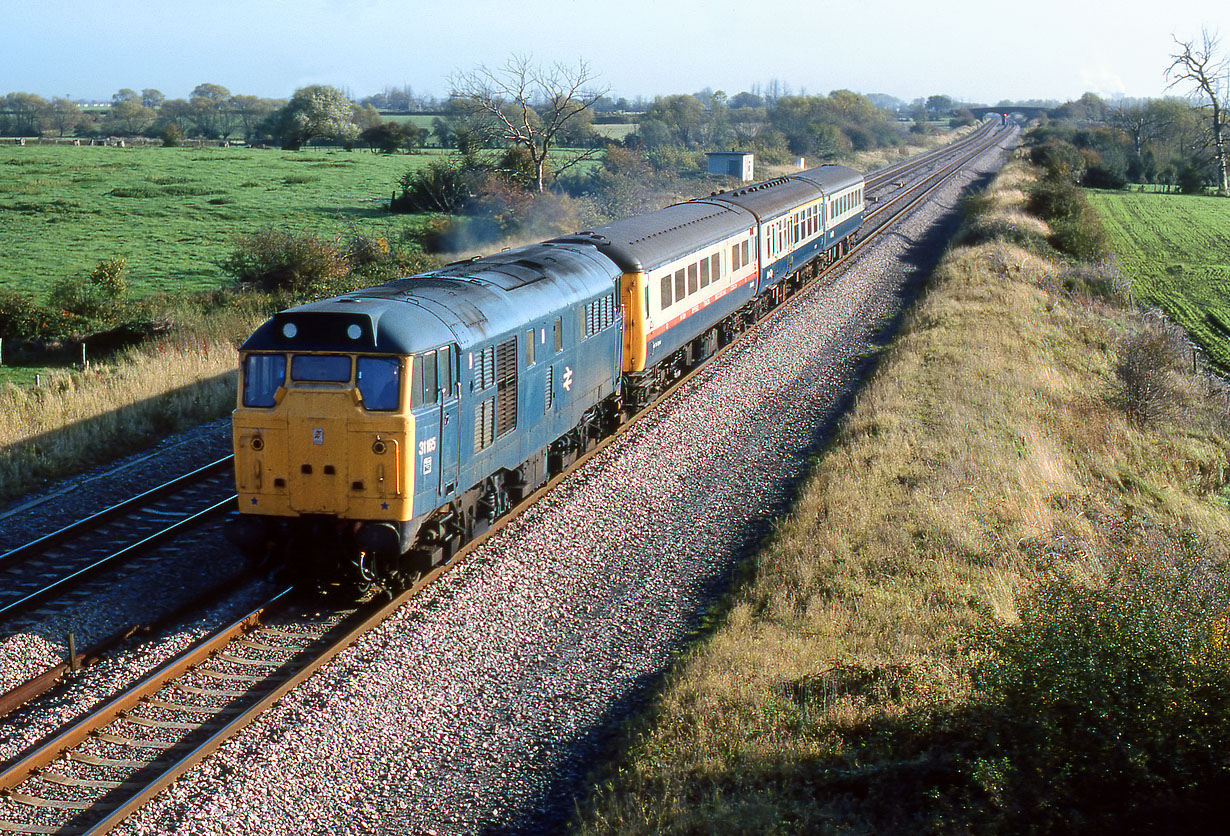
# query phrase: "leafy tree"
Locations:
[[530, 105], [27, 112], [388, 137], [152, 98], [212, 111], [66, 116], [745, 100], [315, 111], [130, 118], [251, 112], [178, 111], [940, 106], [674, 120]]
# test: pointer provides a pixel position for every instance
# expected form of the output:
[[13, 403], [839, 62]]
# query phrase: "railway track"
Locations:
[[91, 776], [50, 567]]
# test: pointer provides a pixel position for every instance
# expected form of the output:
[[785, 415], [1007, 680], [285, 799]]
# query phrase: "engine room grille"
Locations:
[[506, 387], [599, 314], [484, 368], [484, 424]]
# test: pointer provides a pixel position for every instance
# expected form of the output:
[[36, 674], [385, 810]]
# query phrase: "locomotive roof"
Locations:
[[644, 242], [467, 303]]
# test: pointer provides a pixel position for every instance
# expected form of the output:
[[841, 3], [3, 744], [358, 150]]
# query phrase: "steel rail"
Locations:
[[93, 521], [132, 550]]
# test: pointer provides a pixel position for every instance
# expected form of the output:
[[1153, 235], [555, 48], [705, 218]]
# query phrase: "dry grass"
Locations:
[[986, 449], [75, 420]]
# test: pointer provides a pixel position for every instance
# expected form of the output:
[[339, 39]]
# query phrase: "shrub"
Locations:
[[440, 187], [111, 277], [1104, 177], [20, 316], [1151, 384], [282, 261], [1111, 700], [1075, 226]]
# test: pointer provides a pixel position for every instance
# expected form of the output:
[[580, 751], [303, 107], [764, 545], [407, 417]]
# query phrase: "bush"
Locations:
[[282, 261], [1075, 226], [442, 187], [20, 316], [1151, 374], [172, 135], [1104, 177], [1111, 701], [110, 277]]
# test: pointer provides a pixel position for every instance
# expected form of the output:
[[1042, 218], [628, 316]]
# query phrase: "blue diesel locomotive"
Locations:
[[379, 430]]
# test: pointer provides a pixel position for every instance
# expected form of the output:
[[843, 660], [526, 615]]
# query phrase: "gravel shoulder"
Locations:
[[481, 706]]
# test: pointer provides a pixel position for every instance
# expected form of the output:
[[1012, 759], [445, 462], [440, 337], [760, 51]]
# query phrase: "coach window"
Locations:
[[380, 381], [746, 255], [704, 272], [666, 291], [263, 375], [693, 279], [734, 257], [681, 289]]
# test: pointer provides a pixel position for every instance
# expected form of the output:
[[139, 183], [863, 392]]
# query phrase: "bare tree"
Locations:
[[1204, 68], [530, 104]]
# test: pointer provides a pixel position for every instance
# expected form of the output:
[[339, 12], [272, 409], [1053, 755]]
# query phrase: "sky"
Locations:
[[972, 51]]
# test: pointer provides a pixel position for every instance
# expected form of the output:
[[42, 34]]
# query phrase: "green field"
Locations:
[[1176, 249], [173, 212]]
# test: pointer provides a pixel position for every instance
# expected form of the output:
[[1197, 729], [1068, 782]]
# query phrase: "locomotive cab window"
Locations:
[[380, 382], [263, 375]]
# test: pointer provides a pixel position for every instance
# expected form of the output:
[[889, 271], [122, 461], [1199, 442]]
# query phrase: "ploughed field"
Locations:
[[1176, 250], [174, 212]]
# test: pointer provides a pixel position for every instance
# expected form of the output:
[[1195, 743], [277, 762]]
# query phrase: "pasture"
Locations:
[[1176, 250], [174, 212]]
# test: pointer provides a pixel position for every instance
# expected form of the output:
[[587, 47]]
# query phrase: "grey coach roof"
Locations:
[[644, 242]]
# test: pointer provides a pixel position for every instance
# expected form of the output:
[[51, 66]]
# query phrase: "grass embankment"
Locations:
[[1177, 250], [75, 420], [998, 604]]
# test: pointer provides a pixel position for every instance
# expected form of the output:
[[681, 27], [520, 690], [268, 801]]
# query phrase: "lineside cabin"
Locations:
[[733, 163]]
